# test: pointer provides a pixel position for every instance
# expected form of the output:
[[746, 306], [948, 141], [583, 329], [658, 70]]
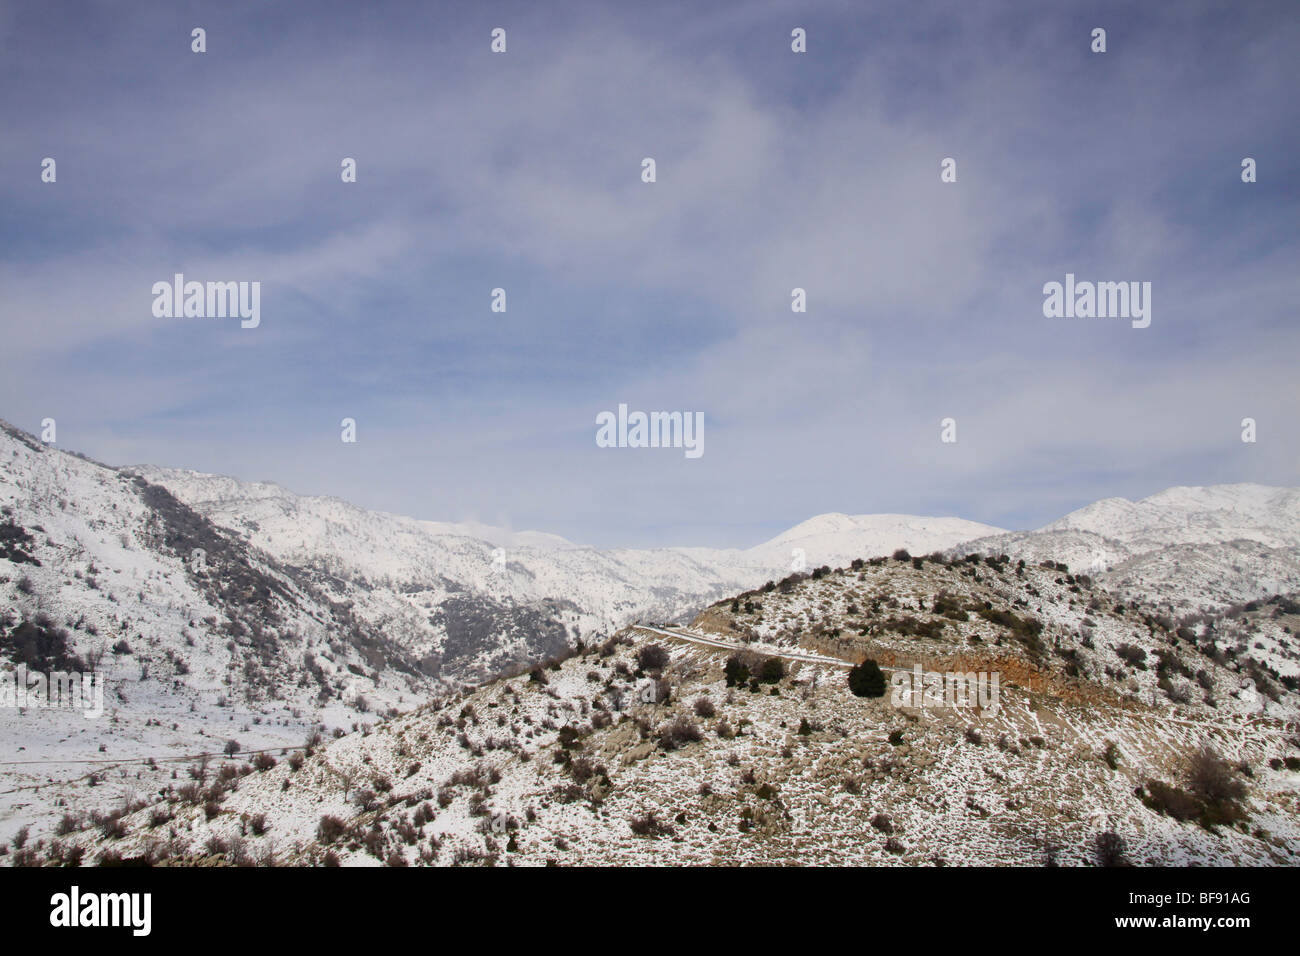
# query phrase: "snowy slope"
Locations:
[[576, 765], [310, 612], [836, 539], [1189, 547], [1183, 515], [397, 570], [313, 613], [243, 648]]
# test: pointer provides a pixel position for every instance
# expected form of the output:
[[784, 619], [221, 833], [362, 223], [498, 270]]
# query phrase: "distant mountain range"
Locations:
[[1190, 547], [452, 589], [218, 608]]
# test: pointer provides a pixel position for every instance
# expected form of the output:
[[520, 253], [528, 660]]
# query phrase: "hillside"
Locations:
[[654, 747], [100, 576], [1187, 548], [446, 587], [213, 610]]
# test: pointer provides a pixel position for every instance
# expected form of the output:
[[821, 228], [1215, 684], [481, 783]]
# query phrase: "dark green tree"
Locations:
[[771, 671], [867, 680], [736, 671]]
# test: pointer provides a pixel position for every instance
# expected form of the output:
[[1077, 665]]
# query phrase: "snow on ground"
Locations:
[[1172, 627], [571, 766]]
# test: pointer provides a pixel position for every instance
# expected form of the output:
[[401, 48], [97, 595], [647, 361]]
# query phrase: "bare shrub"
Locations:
[[330, 829], [1109, 849], [1170, 800], [1212, 778], [649, 825], [652, 657], [679, 733]]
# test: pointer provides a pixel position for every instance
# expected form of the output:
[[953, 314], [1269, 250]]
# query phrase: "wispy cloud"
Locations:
[[775, 171]]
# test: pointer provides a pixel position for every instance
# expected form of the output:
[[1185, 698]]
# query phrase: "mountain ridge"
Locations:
[[218, 609]]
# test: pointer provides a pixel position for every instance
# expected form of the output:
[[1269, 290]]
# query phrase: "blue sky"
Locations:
[[775, 170]]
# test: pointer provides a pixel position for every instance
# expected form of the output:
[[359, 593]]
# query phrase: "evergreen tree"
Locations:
[[867, 680]]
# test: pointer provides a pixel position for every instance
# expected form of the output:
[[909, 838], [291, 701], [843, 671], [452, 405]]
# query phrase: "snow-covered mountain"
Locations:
[[835, 539], [217, 610], [445, 588], [1211, 515], [743, 740], [1192, 547]]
